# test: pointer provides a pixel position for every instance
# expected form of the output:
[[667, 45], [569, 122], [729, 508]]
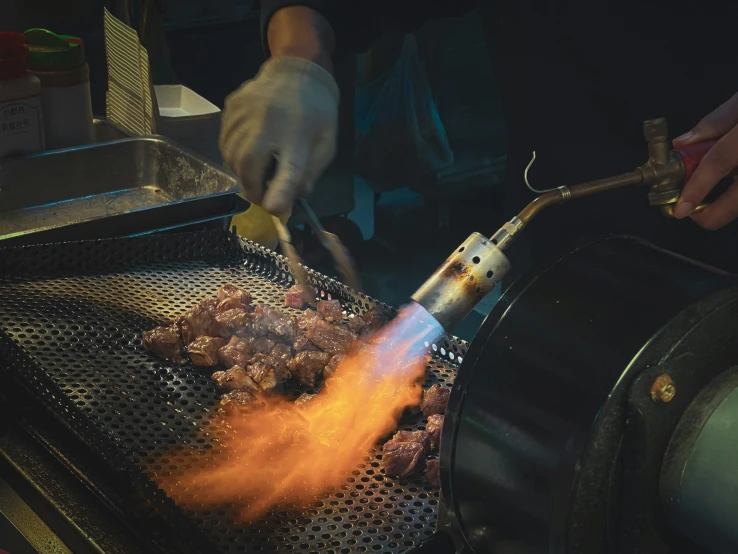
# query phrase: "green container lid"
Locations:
[[49, 51]]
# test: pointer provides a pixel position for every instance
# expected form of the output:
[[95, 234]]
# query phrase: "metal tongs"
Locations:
[[341, 257]]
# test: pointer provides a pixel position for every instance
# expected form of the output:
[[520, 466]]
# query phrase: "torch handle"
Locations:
[[692, 156]]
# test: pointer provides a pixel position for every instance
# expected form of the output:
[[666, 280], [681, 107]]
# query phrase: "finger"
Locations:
[[290, 177], [718, 163], [721, 212], [713, 125], [250, 165]]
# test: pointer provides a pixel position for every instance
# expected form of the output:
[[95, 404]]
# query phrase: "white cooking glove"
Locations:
[[289, 111]]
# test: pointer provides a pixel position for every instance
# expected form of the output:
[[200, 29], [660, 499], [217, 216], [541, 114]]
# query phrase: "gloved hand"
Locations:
[[289, 111], [718, 163]]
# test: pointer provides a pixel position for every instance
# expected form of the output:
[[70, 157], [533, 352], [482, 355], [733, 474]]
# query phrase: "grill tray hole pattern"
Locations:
[[71, 317]]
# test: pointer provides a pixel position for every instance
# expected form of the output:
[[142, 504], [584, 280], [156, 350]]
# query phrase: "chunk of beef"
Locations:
[[279, 358], [330, 368], [377, 316], [236, 352], [235, 379], [402, 459], [164, 342], [262, 345], [270, 322], [306, 366], [303, 322], [263, 375], [203, 351], [230, 297], [433, 428], [434, 400], [299, 295], [241, 402], [421, 437], [356, 324], [302, 343], [331, 310], [335, 339], [433, 472], [307, 318], [304, 399], [236, 321], [198, 321]]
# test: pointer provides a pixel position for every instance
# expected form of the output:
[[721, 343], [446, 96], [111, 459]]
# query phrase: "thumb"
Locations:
[[714, 125], [290, 176]]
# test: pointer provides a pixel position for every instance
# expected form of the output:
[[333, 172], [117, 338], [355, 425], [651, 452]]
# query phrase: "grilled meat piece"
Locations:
[[306, 366], [434, 400], [356, 324], [335, 339], [262, 345], [236, 352], [303, 323], [164, 342], [433, 472], [236, 321], [402, 459], [235, 379], [331, 310], [330, 368], [198, 321], [279, 358], [299, 295], [433, 428], [304, 399], [230, 297], [377, 316], [421, 437], [240, 402], [263, 375], [269, 321], [203, 351]]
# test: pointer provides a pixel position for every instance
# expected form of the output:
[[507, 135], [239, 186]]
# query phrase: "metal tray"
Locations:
[[71, 318], [119, 188]]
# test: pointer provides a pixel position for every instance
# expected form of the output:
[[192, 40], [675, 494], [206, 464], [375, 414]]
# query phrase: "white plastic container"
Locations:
[[59, 62], [21, 113]]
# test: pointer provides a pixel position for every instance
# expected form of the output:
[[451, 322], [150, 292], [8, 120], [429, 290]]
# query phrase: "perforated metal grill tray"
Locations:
[[71, 317]]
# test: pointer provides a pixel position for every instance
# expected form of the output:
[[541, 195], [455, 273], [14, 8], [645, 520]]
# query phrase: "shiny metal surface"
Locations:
[[462, 281], [83, 185]]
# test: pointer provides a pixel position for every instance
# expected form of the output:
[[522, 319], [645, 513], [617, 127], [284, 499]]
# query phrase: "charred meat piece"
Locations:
[[199, 321], [335, 339], [262, 345], [434, 400], [356, 324], [235, 379], [302, 343], [421, 437], [279, 358], [306, 366], [433, 428], [164, 342], [331, 310], [230, 297], [304, 399], [402, 459], [269, 321], [236, 352], [433, 472], [377, 316], [263, 375], [203, 351], [240, 402], [330, 368], [299, 295], [236, 321], [303, 323]]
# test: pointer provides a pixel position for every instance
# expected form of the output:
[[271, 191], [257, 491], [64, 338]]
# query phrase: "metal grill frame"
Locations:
[[89, 301]]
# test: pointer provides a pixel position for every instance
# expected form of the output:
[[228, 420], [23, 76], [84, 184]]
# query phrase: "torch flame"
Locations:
[[284, 455]]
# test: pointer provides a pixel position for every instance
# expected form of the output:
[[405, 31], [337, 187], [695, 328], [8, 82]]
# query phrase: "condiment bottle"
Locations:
[[59, 61], [21, 114]]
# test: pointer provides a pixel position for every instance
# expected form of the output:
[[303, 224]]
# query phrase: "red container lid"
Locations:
[[13, 55]]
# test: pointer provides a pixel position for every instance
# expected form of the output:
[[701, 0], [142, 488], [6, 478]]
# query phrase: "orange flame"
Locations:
[[283, 455]]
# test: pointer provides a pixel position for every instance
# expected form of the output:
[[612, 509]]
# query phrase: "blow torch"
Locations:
[[479, 263]]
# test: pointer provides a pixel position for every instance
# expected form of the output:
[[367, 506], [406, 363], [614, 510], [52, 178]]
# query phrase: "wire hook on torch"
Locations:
[[565, 192]]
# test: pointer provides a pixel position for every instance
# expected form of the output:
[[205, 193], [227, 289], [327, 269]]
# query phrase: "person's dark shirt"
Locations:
[[577, 80]]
